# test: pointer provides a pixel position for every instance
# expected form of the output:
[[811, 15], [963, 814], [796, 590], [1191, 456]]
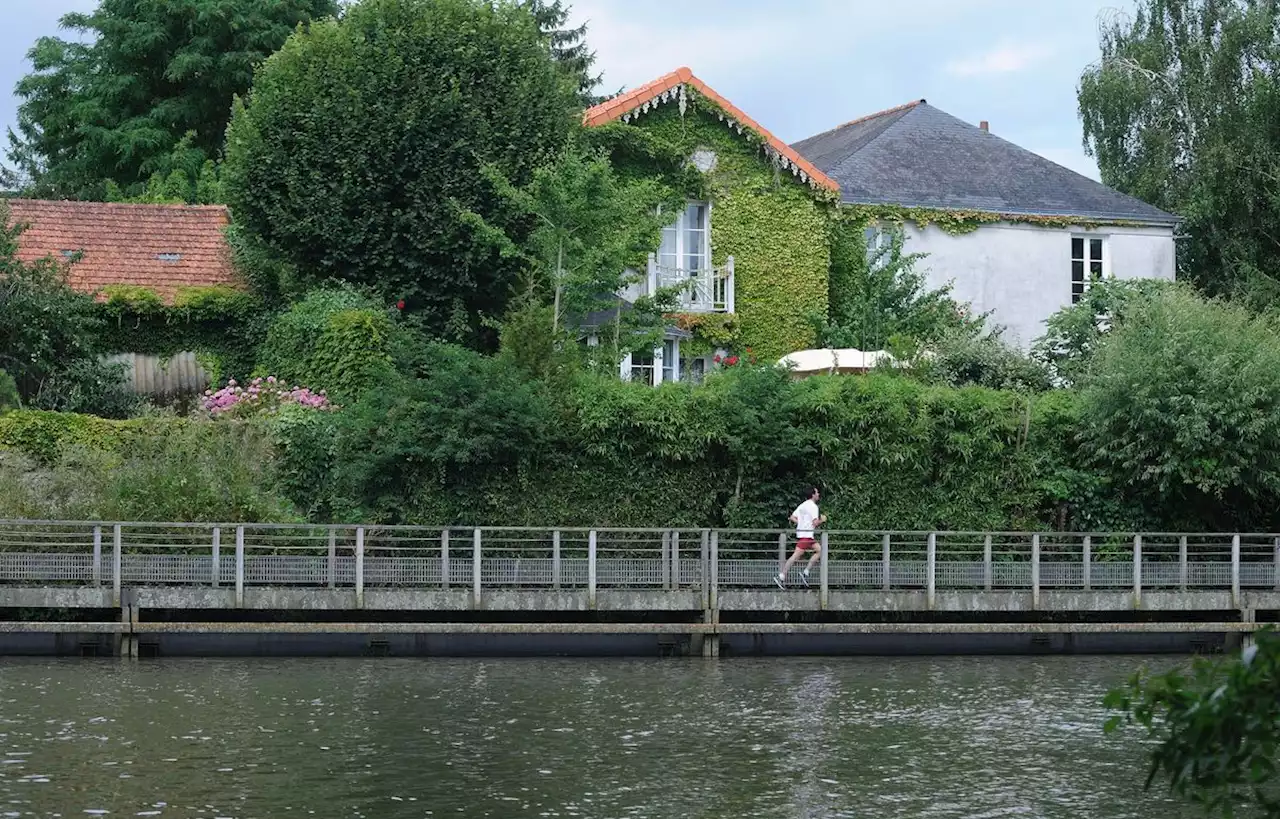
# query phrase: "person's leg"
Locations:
[[791, 561], [817, 553]]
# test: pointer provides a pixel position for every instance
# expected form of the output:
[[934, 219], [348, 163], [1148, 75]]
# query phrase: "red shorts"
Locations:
[[805, 544]]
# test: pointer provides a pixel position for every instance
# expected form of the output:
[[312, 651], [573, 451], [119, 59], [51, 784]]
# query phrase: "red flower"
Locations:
[[716, 358], [731, 360], [400, 304]]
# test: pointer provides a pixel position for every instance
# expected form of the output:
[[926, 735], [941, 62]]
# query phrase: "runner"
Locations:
[[806, 518]]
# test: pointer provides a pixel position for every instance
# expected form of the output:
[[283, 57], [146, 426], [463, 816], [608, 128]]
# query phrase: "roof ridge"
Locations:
[[139, 205], [895, 109], [624, 103]]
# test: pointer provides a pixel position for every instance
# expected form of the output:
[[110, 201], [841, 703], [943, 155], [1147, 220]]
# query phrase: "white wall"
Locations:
[[1023, 272]]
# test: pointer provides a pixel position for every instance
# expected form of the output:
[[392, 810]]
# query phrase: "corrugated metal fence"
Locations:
[[160, 377]]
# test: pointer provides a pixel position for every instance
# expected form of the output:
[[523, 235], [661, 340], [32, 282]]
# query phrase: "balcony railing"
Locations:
[[702, 291]]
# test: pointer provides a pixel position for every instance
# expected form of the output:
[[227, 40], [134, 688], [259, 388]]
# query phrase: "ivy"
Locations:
[[772, 224], [711, 331], [961, 222]]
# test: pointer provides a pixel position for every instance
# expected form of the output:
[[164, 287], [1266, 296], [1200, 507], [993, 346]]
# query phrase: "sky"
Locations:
[[799, 67]]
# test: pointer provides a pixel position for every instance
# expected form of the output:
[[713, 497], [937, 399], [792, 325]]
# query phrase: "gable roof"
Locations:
[[672, 87], [916, 155], [162, 247]]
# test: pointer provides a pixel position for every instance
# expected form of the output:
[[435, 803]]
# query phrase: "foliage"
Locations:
[[360, 149], [263, 396], [8, 393], [567, 44], [1215, 731], [49, 336], [1182, 413], [142, 89], [711, 331], [1072, 334], [202, 186], [962, 358], [467, 415], [1180, 112], [959, 222], [45, 436], [881, 297], [528, 340], [335, 340], [773, 225], [171, 470]]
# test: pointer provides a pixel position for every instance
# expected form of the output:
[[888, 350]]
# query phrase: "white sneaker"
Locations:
[[780, 581], [805, 577]]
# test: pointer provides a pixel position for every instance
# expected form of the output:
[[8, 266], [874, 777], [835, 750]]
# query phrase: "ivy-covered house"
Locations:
[[1013, 233], [753, 253]]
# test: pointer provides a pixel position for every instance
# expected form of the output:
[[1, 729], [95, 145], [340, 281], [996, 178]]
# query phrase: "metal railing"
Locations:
[[707, 290], [708, 560]]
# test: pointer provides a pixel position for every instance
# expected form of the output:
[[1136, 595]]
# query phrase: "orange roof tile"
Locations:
[[162, 247], [615, 108]]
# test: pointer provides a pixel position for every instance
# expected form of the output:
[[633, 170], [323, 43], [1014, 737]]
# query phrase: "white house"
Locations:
[[1022, 268]]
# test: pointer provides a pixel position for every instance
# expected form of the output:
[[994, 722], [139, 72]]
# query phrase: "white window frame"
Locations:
[[682, 232], [876, 239], [1087, 262], [658, 370]]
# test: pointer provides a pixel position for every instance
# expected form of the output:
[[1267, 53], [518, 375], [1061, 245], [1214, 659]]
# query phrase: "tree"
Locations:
[[1216, 731], [568, 45], [1181, 413], [361, 146], [149, 93], [1183, 111]]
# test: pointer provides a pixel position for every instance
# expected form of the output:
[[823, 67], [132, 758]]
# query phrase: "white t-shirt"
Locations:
[[806, 515]]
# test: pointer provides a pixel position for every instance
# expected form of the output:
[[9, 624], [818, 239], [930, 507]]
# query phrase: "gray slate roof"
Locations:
[[918, 156]]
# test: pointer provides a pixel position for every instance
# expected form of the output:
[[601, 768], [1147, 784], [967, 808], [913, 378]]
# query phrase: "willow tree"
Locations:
[[1183, 111]]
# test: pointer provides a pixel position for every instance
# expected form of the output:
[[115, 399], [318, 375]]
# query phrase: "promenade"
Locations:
[[171, 588]]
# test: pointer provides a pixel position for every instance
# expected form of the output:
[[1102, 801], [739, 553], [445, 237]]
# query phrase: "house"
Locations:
[[1012, 233], [1034, 233], [160, 247], [170, 250]]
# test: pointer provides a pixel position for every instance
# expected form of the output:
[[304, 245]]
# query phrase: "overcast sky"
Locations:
[[802, 66]]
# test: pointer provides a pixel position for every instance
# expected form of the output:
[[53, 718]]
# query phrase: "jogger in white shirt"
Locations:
[[806, 518]]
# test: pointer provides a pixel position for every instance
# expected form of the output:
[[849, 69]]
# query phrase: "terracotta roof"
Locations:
[[162, 247], [615, 108]]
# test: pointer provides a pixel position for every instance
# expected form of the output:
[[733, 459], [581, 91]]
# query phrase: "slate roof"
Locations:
[[613, 109], [916, 155], [162, 247]]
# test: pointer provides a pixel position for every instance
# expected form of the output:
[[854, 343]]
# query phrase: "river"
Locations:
[[856, 737]]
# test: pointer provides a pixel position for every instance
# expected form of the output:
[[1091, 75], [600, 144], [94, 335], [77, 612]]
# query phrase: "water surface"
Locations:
[[856, 737]]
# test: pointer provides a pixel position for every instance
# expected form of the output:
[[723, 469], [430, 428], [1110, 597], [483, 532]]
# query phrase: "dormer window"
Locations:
[[169, 257]]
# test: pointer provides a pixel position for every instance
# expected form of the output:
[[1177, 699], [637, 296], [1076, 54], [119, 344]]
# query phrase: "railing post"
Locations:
[[1137, 571], [931, 570], [1235, 571], [1035, 571], [444, 558], [591, 569], [675, 560], [97, 555], [1276, 547], [116, 546], [824, 561], [333, 558], [1087, 562], [886, 579], [239, 567], [359, 567], [782, 550], [217, 556], [986, 563], [555, 559], [730, 296], [666, 561], [475, 568], [713, 562], [1182, 563], [704, 558]]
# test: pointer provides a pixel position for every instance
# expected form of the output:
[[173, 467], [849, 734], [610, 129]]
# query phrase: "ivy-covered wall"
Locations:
[[772, 224]]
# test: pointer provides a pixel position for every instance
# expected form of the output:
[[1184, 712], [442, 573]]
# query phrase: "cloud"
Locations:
[[1003, 59]]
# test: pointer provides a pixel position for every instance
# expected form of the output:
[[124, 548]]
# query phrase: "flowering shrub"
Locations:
[[734, 360], [263, 395]]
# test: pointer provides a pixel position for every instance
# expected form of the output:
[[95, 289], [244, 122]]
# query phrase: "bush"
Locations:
[[1182, 413], [44, 436], [962, 359], [263, 396], [8, 393], [334, 340]]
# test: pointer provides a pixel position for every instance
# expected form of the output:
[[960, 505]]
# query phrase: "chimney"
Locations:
[[985, 126]]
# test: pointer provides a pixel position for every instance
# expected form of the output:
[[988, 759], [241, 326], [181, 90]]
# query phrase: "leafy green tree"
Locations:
[[363, 140], [568, 45], [1181, 413], [1182, 112], [49, 337], [143, 88], [1215, 732]]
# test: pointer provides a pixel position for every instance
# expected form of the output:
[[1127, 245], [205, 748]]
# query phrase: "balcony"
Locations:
[[702, 291]]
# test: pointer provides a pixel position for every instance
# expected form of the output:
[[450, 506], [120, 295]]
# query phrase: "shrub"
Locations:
[[44, 436], [962, 359], [8, 393], [1182, 413], [263, 396], [335, 340]]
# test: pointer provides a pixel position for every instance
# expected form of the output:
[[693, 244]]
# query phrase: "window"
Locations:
[[1086, 264], [670, 359], [684, 242], [169, 257], [642, 367], [693, 369], [877, 242]]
